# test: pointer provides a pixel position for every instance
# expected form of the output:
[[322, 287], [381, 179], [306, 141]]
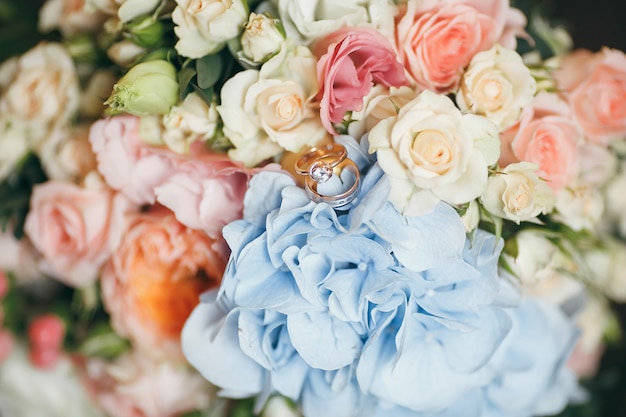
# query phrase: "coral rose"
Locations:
[[547, 136], [154, 279], [353, 61], [596, 83]]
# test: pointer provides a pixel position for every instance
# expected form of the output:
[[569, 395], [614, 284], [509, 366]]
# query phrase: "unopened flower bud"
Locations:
[[150, 87], [262, 38]]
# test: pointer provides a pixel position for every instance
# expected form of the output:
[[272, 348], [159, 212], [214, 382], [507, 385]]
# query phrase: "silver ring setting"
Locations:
[[319, 165]]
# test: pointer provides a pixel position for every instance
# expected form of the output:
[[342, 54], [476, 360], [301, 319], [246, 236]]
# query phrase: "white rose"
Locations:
[[267, 111], [381, 102], [608, 264], [579, 206], [261, 38], [193, 120], [517, 193], [44, 90], [544, 271], [67, 154], [432, 152], [471, 217], [308, 20], [204, 26], [71, 17], [497, 84], [26, 391]]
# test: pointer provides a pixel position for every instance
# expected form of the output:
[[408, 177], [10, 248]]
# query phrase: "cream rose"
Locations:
[[267, 111], [432, 152], [497, 84], [608, 264], [381, 102], [14, 145], [70, 17], [67, 154], [517, 193], [192, 121], [204, 26], [43, 90]]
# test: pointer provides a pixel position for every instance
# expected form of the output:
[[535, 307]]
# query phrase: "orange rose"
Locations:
[[154, 279]]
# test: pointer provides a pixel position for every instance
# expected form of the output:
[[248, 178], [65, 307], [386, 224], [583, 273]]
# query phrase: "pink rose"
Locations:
[[436, 40], [351, 62], [205, 192], [134, 385], [126, 163], [154, 280], [75, 229], [547, 136], [596, 87]]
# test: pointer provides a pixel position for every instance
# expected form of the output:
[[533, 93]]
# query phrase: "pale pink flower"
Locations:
[[135, 385], [595, 84], [75, 229], [125, 161], [547, 136], [351, 62], [205, 192], [154, 279]]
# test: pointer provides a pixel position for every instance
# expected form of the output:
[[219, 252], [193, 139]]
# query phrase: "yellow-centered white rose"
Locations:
[[517, 193], [191, 121], [267, 111], [261, 38], [204, 26], [432, 152], [497, 84]]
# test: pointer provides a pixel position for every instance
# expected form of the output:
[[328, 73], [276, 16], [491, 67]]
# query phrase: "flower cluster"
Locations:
[[163, 252]]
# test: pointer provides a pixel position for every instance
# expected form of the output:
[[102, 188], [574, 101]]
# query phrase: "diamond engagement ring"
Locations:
[[320, 165]]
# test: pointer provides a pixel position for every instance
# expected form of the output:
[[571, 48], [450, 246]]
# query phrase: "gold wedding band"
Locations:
[[319, 165]]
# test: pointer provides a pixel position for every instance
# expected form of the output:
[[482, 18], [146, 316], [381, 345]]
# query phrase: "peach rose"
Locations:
[[436, 40], [154, 280], [351, 62], [75, 229], [596, 83], [547, 136]]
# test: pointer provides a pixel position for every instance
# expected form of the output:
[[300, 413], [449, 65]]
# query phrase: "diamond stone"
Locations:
[[320, 171]]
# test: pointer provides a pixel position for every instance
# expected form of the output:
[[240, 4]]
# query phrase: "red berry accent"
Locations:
[[44, 358], [46, 332]]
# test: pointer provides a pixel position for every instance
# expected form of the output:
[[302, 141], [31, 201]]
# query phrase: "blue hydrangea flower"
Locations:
[[365, 312]]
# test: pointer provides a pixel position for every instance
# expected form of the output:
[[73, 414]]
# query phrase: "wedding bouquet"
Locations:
[[307, 208]]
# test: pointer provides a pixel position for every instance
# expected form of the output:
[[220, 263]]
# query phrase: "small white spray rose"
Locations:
[[497, 84], [261, 38], [204, 26], [517, 193], [191, 121]]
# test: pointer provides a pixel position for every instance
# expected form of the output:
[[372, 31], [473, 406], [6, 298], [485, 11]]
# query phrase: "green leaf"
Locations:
[[209, 69], [185, 76]]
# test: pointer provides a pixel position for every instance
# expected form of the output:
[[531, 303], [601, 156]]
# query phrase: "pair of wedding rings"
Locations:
[[319, 165]]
